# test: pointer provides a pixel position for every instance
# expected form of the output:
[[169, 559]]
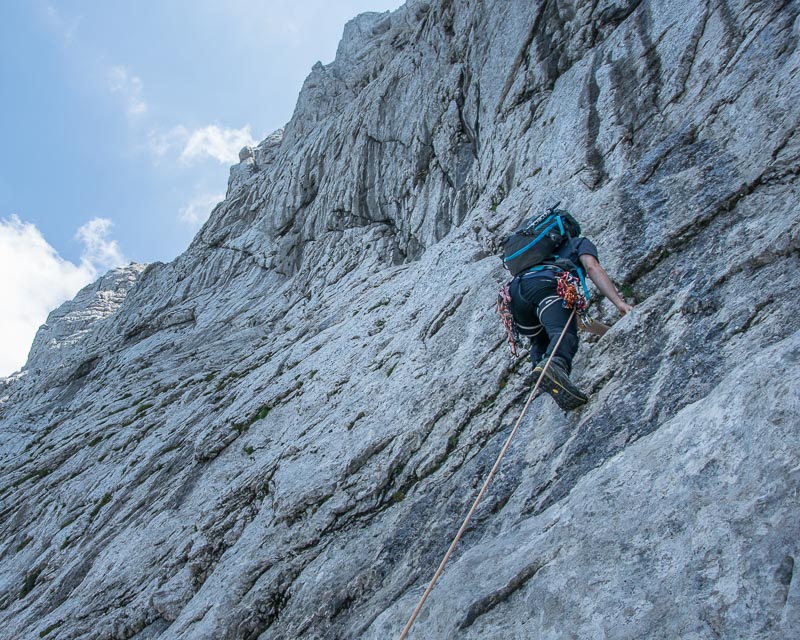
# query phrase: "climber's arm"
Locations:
[[599, 276]]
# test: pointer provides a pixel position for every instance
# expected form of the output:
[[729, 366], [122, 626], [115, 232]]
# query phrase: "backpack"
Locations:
[[538, 239]]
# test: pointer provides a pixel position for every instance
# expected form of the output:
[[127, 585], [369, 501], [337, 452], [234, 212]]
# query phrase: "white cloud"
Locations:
[[199, 208], [99, 252], [129, 86], [36, 280], [118, 79], [212, 141], [161, 143], [64, 27], [221, 144]]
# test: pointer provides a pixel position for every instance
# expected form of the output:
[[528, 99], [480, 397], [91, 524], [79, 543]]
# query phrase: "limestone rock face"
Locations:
[[254, 160], [67, 326], [277, 434]]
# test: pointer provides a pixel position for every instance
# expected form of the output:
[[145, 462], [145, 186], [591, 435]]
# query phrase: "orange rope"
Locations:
[[483, 488]]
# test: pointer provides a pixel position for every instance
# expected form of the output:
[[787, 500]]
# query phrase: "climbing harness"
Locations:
[[485, 484], [506, 317], [571, 290]]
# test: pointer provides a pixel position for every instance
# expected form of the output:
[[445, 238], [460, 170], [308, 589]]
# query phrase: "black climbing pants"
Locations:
[[541, 316]]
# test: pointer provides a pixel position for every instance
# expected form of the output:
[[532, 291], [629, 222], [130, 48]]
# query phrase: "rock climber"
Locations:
[[539, 315]]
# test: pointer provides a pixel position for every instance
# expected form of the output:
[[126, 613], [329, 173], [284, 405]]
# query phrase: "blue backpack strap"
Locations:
[[582, 278]]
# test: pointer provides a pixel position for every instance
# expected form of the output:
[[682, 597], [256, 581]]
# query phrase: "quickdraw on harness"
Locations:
[[569, 289], [507, 318]]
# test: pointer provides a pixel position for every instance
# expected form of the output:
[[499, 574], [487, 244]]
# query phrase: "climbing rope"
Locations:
[[486, 483]]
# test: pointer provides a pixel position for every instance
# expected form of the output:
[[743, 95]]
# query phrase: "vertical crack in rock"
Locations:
[[594, 157], [523, 52], [784, 574]]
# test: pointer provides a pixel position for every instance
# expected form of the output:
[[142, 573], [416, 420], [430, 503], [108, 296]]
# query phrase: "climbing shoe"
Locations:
[[556, 382]]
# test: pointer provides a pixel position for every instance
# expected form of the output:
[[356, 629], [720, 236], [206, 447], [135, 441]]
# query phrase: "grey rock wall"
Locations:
[[277, 434]]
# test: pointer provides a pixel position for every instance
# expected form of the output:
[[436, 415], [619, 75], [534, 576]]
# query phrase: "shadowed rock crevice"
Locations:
[[489, 602]]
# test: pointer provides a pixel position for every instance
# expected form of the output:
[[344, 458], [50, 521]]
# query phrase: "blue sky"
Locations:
[[121, 119]]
